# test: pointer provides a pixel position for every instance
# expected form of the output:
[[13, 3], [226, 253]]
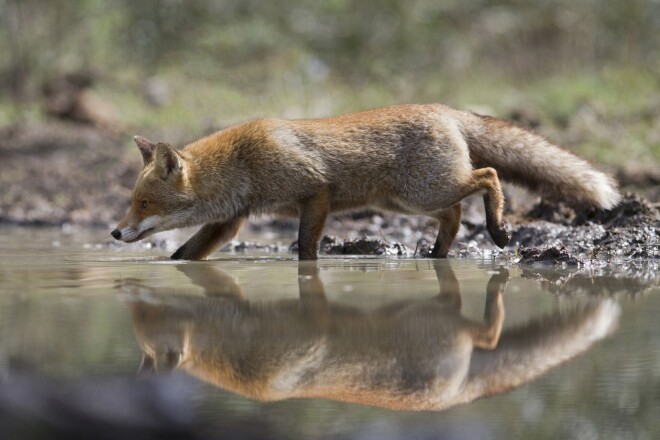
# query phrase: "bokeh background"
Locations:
[[79, 78]]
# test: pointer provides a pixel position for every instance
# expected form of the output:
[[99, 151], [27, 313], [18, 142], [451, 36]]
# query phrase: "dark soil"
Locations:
[[630, 230], [331, 245], [60, 173]]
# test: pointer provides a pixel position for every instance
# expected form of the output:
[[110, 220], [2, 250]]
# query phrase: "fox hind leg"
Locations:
[[313, 213], [450, 222], [486, 178], [481, 179]]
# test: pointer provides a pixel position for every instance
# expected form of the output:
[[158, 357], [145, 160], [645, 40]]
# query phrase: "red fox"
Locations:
[[414, 159], [406, 355]]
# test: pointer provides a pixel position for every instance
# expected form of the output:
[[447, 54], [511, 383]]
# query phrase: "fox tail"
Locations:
[[524, 158], [527, 352]]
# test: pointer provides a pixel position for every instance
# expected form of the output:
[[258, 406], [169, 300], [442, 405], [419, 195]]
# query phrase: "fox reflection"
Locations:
[[409, 355]]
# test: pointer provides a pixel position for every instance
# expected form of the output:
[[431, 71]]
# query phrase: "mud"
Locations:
[[631, 230], [332, 245], [59, 173]]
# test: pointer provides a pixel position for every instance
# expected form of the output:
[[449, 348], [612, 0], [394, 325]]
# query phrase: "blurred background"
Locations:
[[79, 78]]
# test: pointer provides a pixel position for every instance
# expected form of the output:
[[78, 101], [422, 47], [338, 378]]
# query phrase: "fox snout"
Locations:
[[122, 230], [130, 231]]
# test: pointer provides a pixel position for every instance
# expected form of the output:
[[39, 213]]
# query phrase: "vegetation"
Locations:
[[586, 71]]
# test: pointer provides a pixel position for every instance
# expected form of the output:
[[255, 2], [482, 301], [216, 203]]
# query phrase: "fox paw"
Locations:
[[179, 254], [185, 252], [439, 251], [500, 235]]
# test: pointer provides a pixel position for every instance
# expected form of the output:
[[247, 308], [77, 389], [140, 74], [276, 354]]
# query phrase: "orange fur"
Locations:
[[415, 159]]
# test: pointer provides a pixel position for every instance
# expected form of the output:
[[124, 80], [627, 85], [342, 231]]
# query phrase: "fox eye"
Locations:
[[144, 204]]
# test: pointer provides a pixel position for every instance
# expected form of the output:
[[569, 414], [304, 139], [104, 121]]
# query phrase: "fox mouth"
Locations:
[[140, 236]]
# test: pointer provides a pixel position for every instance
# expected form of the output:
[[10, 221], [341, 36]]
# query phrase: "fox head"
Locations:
[[163, 335], [162, 198]]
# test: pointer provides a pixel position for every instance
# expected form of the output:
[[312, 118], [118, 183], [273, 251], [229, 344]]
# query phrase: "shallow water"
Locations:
[[342, 348]]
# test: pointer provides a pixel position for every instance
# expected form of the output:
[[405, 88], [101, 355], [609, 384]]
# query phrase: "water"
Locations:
[[342, 348]]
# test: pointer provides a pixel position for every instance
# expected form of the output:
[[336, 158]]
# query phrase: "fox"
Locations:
[[416, 354], [410, 159]]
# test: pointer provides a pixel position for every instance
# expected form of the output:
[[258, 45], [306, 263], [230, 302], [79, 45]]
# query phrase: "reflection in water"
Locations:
[[587, 281], [408, 355]]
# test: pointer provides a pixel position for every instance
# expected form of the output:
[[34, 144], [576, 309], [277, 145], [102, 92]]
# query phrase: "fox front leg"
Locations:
[[313, 213], [209, 238]]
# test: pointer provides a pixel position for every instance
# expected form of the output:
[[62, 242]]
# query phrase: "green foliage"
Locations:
[[224, 61]]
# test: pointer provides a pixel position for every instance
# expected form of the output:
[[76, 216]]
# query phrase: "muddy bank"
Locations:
[[630, 230], [60, 173]]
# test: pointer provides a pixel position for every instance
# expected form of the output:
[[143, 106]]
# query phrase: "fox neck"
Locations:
[[221, 192]]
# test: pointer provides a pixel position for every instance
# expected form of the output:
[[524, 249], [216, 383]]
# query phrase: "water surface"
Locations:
[[264, 345]]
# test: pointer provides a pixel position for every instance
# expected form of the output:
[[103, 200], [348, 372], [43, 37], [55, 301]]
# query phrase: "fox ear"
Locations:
[[146, 148], [168, 161]]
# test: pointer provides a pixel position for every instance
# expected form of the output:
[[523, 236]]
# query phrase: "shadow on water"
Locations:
[[406, 355]]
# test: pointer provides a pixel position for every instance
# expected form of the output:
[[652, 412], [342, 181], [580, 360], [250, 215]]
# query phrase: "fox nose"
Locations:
[[116, 234]]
